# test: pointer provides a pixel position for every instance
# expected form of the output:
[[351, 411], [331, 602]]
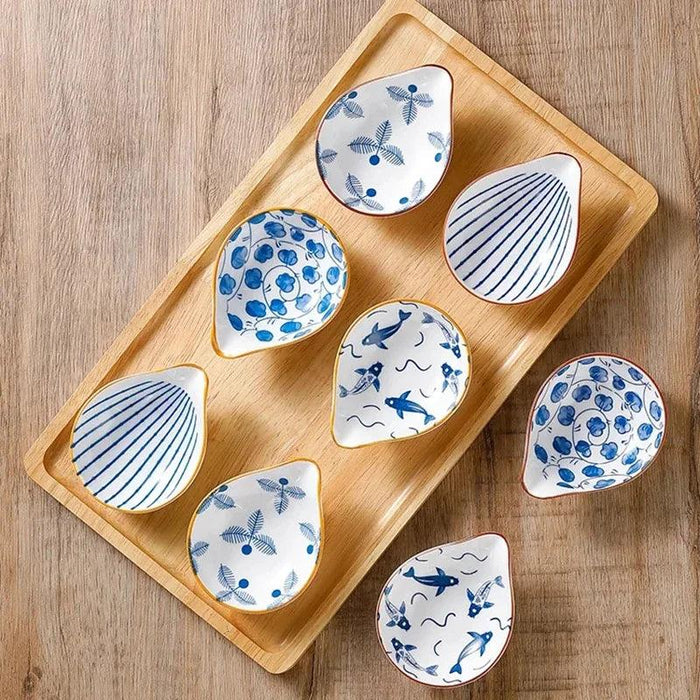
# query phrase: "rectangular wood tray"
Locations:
[[258, 403]]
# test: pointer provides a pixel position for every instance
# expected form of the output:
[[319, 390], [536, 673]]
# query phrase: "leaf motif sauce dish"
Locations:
[[597, 422], [510, 236], [383, 147], [402, 369], [281, 276], [254, 541], [139, 441], [444, 617]]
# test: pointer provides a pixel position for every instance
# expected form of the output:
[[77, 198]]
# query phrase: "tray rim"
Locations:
[[642, 206]]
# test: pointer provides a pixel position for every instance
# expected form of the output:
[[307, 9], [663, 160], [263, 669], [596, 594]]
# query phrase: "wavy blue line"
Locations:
[[421, 341], [500, 624], [352, 350], [410, 361], [444, 622], [435, 646], [421, 594], [470, 555], [372, 405], [469, 573], [364, 425]]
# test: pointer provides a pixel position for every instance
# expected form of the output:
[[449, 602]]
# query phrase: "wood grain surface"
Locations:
[[124, 126]]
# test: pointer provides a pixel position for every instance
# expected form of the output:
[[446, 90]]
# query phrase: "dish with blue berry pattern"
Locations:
[[598, 421], [281, 276], [383, 147]]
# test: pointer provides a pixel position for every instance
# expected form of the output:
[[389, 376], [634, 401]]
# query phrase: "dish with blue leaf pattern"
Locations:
[[254, 542], [597, 422], [281, 276], [445, 616], [383, 147]]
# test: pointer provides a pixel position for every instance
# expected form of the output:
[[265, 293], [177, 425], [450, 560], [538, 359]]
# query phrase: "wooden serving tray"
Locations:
[[271, 406]]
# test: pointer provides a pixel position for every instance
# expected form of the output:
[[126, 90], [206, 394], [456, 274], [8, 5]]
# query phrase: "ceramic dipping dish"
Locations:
[[444, 617], [138, 442], [254, 541], [383, 147], [597, 422], [280, 277]]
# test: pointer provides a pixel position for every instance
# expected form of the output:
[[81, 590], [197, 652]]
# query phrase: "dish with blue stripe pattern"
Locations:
[[511, 235], [138, 442]]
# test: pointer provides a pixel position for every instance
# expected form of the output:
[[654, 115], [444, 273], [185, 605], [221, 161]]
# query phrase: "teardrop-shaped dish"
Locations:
[[138, 442], [384, 146], [280, 277], [444, 617], [597, 422], [254, 541], [402, 369], [511, 235]]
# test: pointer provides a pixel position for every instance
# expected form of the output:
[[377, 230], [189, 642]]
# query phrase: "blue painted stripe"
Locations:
[[563, 250], [498, 184], [178, 422], [182, 467], [164, 418], [159, 401], [92, 406], [532, 186], [168, 402], [151, 396]]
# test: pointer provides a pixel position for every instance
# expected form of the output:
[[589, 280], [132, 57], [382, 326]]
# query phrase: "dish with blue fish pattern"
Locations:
[[402, 369], [444, 617], [597, 422], [281, 276], [254, 542], [138, 442], [383, 147], [511, 235]]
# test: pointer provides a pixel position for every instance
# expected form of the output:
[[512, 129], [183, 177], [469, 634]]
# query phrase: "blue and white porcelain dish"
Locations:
[[383, 147], [444, 617], [597, 422], [254, 541], [138, 442], [281, 276], [402, 369], [511, 235]]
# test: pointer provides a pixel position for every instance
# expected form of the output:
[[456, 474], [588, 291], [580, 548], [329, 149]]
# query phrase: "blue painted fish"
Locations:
[[479, 599], [368, 377], [440, 580], [378, 335], [402, 404], [403, 654], [478, 643], [451, 337], [451, 378], [397, 616]]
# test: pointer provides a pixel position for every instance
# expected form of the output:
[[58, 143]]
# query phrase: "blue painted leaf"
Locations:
[[562, 445], [603, 483], [644, 431], [288, 257], [239, 256], [598, 374], [255, 308], [275, 229], [609, 450], [583, 448], [582, 393], [265, 544], [604, 402], [235, 322], [290, 326], [253, 277], [226, 284], [566, 415], [542, 415], [256, 520], [235, 534], [226, 577], [264, 336], [655, 410], [541, 454], [592, 471], [263, 253], [558, 391], [566, 475], [635, 374]]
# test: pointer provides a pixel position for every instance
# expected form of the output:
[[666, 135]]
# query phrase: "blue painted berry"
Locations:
[[243, 583], [374, 160], [246, 549], [412, 88], [284, 481], [371, 192], [276, 593]]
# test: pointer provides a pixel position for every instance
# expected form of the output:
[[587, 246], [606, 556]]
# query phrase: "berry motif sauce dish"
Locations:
[[138, 442], [402, 369], [597, 422], [444, 617], [281, 276], [383, 147], [254, 541], [511, 235]]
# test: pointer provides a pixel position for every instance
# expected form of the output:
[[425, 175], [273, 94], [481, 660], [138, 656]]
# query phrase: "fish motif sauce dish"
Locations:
[[255, 541], [597, 422], [444, 617], [511, 235], [383, 147], [403, 368], [281, 276], [138, 442]]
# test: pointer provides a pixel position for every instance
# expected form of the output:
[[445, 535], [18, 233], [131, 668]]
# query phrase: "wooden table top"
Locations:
[[124, 126]]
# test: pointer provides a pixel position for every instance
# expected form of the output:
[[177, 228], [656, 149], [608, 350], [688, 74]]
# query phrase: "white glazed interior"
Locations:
[[281, 275], [138, 442], [280, 508], [510, 236], [394, 167], [589, 425], [430, 360], [439, 622]]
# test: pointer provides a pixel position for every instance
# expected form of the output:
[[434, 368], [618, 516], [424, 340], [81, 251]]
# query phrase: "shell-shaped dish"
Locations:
[[138, 442], [402, 369], [254, 541], [384, 146], [444, 617], [281, 276], [511, 235], [597, 422]]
